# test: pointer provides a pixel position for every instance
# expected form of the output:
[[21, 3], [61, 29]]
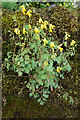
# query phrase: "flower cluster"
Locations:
[[44, 25], [72, 43], [67, 36]]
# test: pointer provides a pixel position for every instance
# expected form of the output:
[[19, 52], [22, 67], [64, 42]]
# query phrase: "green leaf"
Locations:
[[30, 94], [42, 103], [27, 70], [45, 95], [27, 4], [27, 27], [25, 81], [29, 66], [41, 82], [6, 59], [20, 73], [71, 100], [42, 5], [22, 64], [8, 66], [37, 86], [44, 99], [26, 62], [39, 99]]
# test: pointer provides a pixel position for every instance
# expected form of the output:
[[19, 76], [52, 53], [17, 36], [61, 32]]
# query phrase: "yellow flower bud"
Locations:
[[52, 50], [29, 27], [24, 31]]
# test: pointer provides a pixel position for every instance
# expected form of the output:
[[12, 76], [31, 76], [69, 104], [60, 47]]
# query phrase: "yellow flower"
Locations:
[[72, 43], [45, 63], [67, 36], [40, 20], [24, 31], [46, 22], [45, 41], [50, 30], [17, 31], [29, 27], [29, 13], [51, 26], [52, 50], [23, 9], [36, 30], [61, 49], [52, 45], [23, 44], [58, 69], [43, 26]]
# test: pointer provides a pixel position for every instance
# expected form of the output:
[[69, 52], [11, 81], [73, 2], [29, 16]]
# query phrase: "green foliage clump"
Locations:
[[37, 55]]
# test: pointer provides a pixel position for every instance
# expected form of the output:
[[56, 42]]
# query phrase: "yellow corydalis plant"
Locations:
[[72, 43], [17, 31], [29, 13], [67, 36], [45, 41], [23, 9], [58, 69]]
